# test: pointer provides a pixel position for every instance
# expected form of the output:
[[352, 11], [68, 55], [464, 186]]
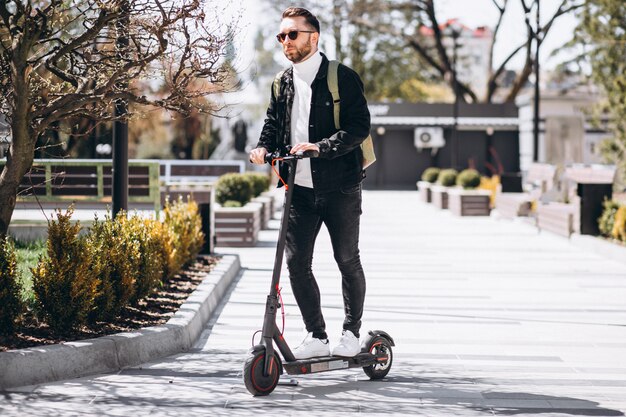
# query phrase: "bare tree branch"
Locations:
[[501, 10], [492, 83], [59, 61], [443, 55], [560, 12], [522, 77]]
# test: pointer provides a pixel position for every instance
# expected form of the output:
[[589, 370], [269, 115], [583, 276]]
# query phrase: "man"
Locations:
[[328, 188]]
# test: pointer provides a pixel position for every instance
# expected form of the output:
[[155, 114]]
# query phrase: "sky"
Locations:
[[471, 13]]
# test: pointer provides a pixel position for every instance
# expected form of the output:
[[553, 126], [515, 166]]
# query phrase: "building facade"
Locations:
[[408, 138]]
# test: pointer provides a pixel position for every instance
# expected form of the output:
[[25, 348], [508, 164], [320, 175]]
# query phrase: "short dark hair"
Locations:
[[308, 16]]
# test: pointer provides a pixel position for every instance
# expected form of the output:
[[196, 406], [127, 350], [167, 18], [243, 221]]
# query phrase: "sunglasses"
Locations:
[[293, 35]]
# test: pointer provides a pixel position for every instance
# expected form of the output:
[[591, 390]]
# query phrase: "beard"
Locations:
[[296, 54]]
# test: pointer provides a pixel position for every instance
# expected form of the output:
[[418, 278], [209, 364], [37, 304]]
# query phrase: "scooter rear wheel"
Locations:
[[379, 346], [257, 383]]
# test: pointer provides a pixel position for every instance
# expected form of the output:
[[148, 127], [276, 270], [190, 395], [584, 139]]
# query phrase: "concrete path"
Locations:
[[489, 318]]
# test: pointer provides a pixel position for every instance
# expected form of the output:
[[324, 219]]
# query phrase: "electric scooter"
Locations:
[[263, 366]]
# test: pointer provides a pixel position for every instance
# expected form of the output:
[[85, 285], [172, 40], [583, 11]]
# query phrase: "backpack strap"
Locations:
[[333, 87], [276, 83]]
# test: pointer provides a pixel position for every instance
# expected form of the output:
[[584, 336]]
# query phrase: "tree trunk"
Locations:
[[19, 161], [22, 150]]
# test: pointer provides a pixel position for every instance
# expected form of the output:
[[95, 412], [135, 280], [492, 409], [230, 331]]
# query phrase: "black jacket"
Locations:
[[339, 165]]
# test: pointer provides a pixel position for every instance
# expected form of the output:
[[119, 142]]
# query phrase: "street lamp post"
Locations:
[[455, 33], [537, 93], [120, 125]]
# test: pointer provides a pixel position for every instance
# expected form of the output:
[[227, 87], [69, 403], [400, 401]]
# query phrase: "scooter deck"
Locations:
[[329, 363]]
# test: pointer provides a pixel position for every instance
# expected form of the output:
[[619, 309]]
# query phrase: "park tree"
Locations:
[[388, 69], [61, 59], [602, 31], [406, 20], [405, 38]]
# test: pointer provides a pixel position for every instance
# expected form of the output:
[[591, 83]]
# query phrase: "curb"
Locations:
[[111, 353]]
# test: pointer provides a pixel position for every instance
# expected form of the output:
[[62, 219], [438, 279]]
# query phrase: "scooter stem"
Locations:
[[270, 331], [282, 234]]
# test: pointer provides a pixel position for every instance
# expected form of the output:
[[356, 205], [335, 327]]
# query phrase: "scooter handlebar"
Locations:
[[285, 157]]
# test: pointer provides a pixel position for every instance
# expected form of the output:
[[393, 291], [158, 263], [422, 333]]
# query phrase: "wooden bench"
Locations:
[[86, 183], [174, 171], [539, 179]]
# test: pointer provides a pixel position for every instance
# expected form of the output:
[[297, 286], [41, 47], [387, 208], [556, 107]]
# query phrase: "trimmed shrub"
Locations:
[[10, 302], [260, 182], [430, 174], [185, 222], [469, 179], [232, 204], [447, 177], [236, 187], [116, 263], [151, 254], [167, 243], [63, 280], [607, 219], [619, 226]]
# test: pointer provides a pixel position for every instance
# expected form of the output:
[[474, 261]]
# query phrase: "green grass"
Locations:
[[27, 256]]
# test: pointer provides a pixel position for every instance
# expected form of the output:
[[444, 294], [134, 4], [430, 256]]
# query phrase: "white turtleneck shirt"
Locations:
[[304, 73]]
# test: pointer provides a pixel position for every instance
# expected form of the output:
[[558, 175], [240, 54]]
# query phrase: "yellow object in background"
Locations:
[[490, 184], [619, 226]]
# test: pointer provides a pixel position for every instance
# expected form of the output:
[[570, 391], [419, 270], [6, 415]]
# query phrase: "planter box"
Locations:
[[469, 202], [238, 227], [439, 196], [424, 190]]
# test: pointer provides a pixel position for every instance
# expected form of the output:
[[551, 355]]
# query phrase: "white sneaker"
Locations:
[[348, 345], [311, 347]]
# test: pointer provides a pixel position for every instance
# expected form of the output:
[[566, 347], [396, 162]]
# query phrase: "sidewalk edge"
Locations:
[[111, 353]]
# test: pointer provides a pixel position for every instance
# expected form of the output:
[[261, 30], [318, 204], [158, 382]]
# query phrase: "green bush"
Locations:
[[469, 179], [607, 219], [236, 187], [63, 281], [120, 261], [232, 204], [185, 222], [167, 241], [10, 302], [260, 182], [447, 177], [151, 263], [619, 228], [430, 174], [116, 263]]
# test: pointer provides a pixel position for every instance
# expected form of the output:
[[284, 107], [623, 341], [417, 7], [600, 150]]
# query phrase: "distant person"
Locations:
[[240, 132], [327, 189]]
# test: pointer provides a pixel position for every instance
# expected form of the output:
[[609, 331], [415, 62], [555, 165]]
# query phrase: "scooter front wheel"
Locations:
[[381, 348], [257, 383]]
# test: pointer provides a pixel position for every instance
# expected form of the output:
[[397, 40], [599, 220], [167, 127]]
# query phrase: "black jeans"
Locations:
[[340, 211]]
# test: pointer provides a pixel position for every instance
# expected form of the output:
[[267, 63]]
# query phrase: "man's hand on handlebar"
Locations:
[[301, 147], [300, 150], [257, 156]]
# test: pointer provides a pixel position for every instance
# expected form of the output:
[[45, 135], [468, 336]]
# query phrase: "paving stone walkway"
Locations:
[[489, 318]]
